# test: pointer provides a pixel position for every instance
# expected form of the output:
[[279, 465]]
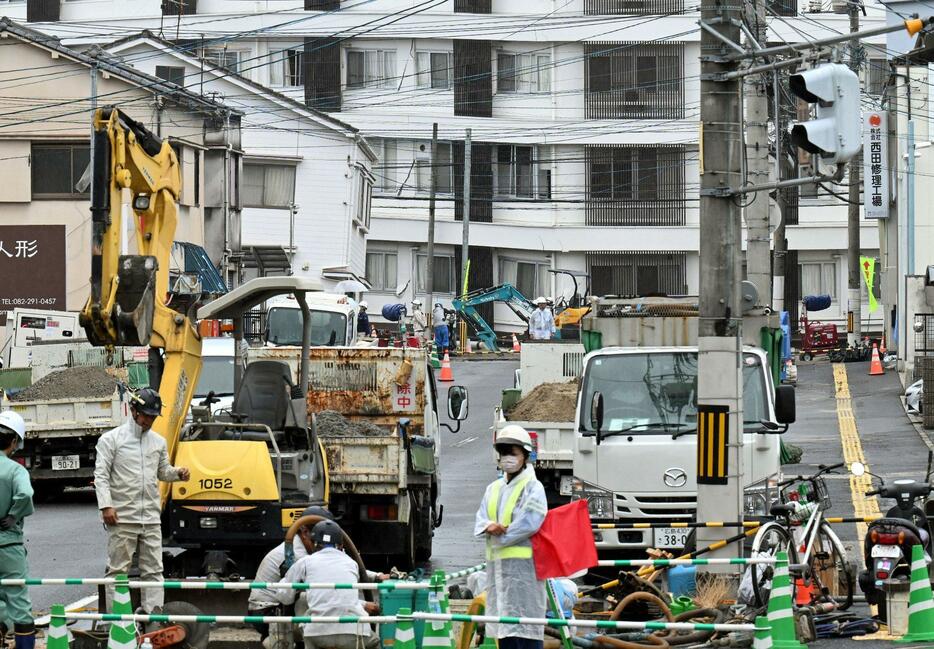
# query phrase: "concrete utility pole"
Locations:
[[758, 241], [465, 243], [719, 394], [430, 262], [854, 299]]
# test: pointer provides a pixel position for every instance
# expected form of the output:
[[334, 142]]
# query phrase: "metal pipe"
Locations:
[[306, 340]]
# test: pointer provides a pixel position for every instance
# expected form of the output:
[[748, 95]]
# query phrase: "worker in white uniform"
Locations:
[[328, 563], [419, 319], [542, 321], [512, 510], [131, 460]]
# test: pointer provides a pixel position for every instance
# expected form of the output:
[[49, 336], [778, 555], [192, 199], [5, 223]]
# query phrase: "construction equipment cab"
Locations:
[[333, 320]]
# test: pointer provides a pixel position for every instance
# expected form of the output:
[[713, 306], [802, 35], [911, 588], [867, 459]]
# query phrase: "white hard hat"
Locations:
[[417, 302], [541, 300], [12, 420], [514, 434], [363, 304]]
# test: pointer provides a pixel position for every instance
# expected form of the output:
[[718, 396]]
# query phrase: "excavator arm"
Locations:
[[135, 183], [507, 293]]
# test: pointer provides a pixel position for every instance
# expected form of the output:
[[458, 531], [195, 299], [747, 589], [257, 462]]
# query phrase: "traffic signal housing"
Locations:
[[836, 133]]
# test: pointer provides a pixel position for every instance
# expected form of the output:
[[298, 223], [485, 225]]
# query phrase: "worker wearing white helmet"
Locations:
[[512, 510], [542, 321], [363, 320], [419, 319], [15, 505]]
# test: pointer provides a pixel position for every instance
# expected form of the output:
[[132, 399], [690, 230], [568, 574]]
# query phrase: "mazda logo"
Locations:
[[676, 477]]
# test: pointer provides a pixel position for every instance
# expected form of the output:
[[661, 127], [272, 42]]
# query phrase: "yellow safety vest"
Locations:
[[509, 552]]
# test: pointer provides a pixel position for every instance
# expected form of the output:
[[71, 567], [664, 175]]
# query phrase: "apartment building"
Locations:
[[583, 117]]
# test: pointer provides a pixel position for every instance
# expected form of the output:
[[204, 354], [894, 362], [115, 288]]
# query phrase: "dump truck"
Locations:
[[376, 412]]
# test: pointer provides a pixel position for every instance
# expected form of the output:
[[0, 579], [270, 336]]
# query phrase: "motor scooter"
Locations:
[[888, 544]]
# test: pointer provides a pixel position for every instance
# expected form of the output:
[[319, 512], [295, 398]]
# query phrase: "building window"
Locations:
[[634, 80], [268, 185], [364, 199], [172, 74], [286, 67], [224, 58], [819, 278], [877, 72], [444, 171], [632, 7], [523, 73], [58, 168], [635, 185], [433, 69], [371, 68], [530, 278], [386, 171], [442, 274], [631, 274], [381, 269]]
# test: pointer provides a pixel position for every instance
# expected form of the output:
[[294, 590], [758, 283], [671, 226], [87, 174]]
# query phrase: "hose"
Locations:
[[477, 607], [648, 641], [644, 597], [695, 637], [349, 547]]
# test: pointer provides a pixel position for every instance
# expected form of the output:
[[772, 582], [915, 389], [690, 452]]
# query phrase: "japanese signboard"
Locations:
[[32, 265], [875, 165], [403, 397]]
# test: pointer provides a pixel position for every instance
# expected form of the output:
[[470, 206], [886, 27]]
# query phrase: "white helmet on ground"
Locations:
[[541, 300], [13, 421], [514, 434]]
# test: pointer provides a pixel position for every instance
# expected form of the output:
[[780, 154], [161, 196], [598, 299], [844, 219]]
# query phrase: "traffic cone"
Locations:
[[920, 601], [447, 374], [875, 365], [405, 631], [781, 617], [58, 629], [122, 632], [515, 344], [439, 634], [761, 638]]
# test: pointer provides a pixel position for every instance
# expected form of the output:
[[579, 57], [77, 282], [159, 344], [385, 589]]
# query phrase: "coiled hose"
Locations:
[[649, 640], [349, 547]]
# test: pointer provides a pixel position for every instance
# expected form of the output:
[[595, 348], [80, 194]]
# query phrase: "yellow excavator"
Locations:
[[251, 475]]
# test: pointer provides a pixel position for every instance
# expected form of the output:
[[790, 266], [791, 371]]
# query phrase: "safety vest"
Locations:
[[509, 552]]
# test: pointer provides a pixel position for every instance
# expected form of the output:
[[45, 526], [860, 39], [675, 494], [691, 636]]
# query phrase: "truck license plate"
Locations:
[[65, 462], [670, 537]]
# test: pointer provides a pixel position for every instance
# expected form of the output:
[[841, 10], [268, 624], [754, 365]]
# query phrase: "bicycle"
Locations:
[[816, 555]]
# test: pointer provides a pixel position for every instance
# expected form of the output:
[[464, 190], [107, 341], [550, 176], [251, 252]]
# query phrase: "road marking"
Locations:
[[464, 442], [75, 607]]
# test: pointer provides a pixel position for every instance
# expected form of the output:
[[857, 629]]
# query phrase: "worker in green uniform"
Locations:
[[15, 505]]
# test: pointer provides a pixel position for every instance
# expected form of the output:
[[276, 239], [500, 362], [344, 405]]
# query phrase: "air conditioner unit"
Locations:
[[840, 6]]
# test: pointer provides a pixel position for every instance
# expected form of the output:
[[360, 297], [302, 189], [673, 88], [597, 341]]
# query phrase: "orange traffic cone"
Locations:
[[515, 344], [446, 373], [875, 365]]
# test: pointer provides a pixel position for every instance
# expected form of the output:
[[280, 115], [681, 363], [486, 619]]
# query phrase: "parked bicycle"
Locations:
[[818, 559]]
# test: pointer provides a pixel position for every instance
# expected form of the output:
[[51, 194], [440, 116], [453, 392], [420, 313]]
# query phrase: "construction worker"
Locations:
[[542, 321], [15, 505], [512, 510], [440, 325], [131, 460], [363, 320], [328, 563], [419, 319]]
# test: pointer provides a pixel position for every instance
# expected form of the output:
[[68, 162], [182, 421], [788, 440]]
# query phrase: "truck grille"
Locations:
[[672, 508], [343, 376]]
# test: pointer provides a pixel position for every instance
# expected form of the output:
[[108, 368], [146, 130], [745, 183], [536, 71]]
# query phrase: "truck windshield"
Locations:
[[284, 327], [217, 375], [659, 391]]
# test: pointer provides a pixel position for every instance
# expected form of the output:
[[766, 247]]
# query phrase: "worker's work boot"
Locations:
[[25, 635]]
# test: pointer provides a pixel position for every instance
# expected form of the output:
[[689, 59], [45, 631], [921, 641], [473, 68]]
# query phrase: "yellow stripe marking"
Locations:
[[721, 446], [711, 441]]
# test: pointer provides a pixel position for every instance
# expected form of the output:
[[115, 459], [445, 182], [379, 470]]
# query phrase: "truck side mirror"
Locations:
[[785, 404], [458, 404], [596, 413]]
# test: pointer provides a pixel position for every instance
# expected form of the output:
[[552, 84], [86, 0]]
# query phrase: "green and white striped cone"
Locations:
[[405, 630], [439, 634], [781, 616], [920, 601], [435, 361], [122, 632], [58, 629], [761, 638]]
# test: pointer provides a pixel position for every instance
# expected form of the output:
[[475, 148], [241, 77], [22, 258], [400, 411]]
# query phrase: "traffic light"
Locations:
[[835, 134]]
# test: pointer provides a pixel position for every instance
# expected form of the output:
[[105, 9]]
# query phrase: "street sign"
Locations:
[[875, 163]]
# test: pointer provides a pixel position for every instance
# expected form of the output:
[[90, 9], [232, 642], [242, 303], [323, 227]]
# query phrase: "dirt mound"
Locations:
[[70, 383], [331, 423], [547, 402]]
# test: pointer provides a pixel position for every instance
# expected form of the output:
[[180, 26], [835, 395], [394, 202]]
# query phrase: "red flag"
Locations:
[[564, 544]]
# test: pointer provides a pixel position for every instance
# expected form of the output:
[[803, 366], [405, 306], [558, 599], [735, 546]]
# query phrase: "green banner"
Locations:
[[868, 264]]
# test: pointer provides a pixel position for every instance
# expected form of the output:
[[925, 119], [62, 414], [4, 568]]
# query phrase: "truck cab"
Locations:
[[333, 321]]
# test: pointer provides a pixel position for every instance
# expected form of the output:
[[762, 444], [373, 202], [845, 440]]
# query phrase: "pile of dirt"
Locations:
[[547, 402], [331, 423], [70, 383]]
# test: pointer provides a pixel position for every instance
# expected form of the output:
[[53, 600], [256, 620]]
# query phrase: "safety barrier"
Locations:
[[663, 563], [833, 520]]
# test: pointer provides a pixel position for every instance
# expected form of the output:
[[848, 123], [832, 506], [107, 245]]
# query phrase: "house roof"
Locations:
[[104, 61], [259, 89]]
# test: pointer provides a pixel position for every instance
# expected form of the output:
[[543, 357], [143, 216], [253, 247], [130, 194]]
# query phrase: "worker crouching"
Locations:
[[512, 510]]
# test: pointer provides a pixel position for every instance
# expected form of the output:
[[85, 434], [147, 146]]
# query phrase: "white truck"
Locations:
[[641, 465], [333, 320]]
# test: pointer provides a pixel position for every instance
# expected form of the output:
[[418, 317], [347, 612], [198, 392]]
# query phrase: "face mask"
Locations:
[[510, 463]]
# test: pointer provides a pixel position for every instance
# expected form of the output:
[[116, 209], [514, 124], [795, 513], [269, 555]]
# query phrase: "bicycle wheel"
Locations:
[[830, 567], [769, 540]]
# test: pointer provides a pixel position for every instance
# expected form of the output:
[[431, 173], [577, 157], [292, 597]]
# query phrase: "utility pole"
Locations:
[[758, 241], [430, 262], [719, 394], [465, 243], [854, 314]]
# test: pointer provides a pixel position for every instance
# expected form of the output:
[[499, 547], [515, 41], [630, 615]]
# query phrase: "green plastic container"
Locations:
[[591, 340], [138, 374], [511, 397], [390, 603], [422, 451]]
